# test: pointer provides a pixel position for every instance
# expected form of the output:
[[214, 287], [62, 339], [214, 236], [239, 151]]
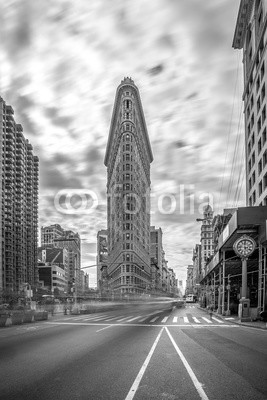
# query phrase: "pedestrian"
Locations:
[[211, 311]]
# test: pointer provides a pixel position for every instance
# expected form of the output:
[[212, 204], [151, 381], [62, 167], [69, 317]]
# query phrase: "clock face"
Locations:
[[244, 246]]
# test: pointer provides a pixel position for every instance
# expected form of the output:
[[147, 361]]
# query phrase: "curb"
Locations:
[[236, 322]]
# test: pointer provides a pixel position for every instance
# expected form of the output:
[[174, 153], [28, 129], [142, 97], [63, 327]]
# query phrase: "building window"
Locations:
[[263, 114], [253, 158], [259, 146], [260, 188], [263, 92], [251, 101], [262, 70], [264, 136], [258, 84], [258, 104], [260, 167], [254, 197], [252, 120], [259, 125], [253, 178]]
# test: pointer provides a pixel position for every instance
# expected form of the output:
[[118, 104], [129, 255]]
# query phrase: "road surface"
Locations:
[[146, 352]]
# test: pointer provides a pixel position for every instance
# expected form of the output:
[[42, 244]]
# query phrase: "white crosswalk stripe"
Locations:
[[133, 319], [196, 320], [186, 320], [164, 320], [110, 319], [175, 320], [154, 319], [207, 320], [143, 319], [217, 320], [129, 316]]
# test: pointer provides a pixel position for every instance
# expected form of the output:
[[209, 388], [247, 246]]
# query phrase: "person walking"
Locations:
[[211, 311]]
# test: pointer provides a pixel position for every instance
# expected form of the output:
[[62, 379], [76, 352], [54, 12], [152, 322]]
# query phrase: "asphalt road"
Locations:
[[148, 352]]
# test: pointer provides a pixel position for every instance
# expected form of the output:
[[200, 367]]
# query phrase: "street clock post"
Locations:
[[244, 247]]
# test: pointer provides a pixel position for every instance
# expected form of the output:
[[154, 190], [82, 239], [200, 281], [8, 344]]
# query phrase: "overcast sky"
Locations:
[[61, 62]]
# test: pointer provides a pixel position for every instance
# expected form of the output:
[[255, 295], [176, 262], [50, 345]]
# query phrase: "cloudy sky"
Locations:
[[61, 62]]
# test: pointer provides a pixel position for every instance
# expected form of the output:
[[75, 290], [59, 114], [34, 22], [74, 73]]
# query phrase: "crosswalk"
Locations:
[[148, 319]]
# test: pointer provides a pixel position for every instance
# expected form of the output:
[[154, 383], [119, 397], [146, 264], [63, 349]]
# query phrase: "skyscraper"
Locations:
[[206, 237], [128, 157], [250, 35], [19, 182]]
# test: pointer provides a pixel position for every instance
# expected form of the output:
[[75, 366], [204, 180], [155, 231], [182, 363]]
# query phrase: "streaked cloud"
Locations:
[[61, 63]]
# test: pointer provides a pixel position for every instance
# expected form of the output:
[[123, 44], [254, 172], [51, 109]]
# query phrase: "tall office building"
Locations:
[[128, 157], [206, 240], [55, 235], [19, 183], [250, 35]]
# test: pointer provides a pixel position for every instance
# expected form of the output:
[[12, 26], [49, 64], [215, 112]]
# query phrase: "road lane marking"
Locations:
[[129, 316], [146, 325], [143, 319], [139, 377], [132, 319], [217, 320], [154, 319], [106, 327], [110, 319], [164, 320], [196, 320], [175, 319], [207, 320], [193, 377], [186, 320]]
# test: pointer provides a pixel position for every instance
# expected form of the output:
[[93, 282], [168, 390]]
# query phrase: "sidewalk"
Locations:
[[235, 320]]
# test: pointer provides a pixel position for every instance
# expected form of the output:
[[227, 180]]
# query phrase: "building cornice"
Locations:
[[127, 82], [243, 17]]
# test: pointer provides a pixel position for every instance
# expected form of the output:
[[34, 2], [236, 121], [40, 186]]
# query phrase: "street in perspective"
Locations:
[[133, 197], [148, 350]]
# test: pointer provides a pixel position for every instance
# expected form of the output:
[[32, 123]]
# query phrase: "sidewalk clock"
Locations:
[[244, 246]]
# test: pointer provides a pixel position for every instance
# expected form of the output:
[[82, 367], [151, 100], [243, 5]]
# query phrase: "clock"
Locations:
[[244, 246]]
